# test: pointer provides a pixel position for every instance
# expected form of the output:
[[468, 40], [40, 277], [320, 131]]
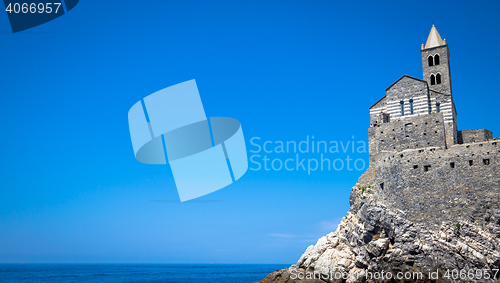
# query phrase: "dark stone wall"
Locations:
[[436, 184], [417, 132], [478, 135], [449, 114]]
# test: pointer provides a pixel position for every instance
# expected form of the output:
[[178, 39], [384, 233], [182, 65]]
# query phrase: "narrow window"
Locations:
[[411, 106], [426, 168], [438, 107], [452, 165], [431, 61], [433, 80], [415, 166], [438, 79], [486, 161], [436, 60], [471, 162], [402, 108], [386, 117], [382, 186], [408, 130]]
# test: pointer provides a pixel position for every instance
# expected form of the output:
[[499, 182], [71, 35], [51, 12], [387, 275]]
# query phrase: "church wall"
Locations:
[[412, 133], [376, 110], [404, 90]]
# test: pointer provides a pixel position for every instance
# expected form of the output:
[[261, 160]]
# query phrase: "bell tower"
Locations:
[[436, 69], [436, 63]]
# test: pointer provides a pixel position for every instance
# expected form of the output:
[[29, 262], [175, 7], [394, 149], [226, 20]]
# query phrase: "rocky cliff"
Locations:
[[376, 242]]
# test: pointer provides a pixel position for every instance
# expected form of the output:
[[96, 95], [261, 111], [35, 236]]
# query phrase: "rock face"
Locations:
[[376, 243]]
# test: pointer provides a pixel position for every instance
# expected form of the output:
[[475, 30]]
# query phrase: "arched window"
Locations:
[[411, 106], [436, 59], [433, 80], [438, 78], [402, 108], [431, 61], [438, 107]]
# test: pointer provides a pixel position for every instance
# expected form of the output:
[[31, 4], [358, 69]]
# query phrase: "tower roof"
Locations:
[[434, 39]]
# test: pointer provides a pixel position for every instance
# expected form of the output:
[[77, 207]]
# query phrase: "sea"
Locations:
[[114, 273]]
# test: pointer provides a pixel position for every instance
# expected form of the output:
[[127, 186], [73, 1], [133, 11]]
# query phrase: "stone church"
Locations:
[[409, 101], [420, 161]]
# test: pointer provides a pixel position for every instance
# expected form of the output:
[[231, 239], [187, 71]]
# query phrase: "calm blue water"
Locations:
[[175, 273]]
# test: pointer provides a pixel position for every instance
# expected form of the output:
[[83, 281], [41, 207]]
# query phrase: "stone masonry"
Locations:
[[468, 136]]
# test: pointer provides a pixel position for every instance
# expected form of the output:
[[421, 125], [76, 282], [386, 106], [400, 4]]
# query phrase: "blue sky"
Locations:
[[71, 189]]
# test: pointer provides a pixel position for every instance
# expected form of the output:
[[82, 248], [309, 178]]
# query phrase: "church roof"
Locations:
[[404, 76], [434, 39]]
